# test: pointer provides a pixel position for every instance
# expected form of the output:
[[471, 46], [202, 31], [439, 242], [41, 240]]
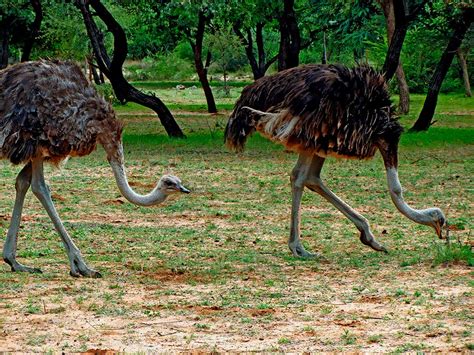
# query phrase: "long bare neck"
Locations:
[[116, 161], [419, 216]]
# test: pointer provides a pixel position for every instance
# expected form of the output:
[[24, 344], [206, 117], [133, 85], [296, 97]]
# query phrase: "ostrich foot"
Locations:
[[17, 267], [79, 268], [298, 250], [368, 239]]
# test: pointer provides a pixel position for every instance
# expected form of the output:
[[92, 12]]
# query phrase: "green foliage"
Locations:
[[107, 92], [159, 35], [16, 16], [455, 252], [161, 67], [227, 51], [63, 34]]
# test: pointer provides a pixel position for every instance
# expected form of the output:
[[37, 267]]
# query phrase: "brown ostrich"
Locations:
[[320, 111], [48, 112]]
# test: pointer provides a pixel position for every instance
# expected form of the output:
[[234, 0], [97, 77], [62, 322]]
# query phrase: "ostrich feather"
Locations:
[[48, 109], [327, 110]]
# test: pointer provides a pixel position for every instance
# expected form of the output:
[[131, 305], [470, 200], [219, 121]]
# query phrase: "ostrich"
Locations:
[[320, 111], [48, 112]]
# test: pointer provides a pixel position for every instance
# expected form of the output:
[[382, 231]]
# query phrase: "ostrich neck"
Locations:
[[395, 188], [153, 198]]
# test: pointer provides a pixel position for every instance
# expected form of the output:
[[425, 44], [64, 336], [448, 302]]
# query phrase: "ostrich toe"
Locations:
[[17, 267], [299, 251], [371, 242], [79, 268]]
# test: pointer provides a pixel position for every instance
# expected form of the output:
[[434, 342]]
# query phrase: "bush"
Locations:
[[107, 92], [164, 67]]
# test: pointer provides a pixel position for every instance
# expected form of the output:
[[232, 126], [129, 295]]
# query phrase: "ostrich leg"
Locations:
[[22, 185], [41, 191], [298, 178], [314, 183]]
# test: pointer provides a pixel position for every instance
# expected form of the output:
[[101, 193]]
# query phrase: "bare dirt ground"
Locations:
[[371, 321]]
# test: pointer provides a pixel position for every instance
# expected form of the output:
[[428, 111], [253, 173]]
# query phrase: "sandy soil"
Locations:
[[372, 321]]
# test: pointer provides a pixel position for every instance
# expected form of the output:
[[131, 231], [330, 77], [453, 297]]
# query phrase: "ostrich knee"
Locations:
[[22, 183], [297, 178], [41, 190]]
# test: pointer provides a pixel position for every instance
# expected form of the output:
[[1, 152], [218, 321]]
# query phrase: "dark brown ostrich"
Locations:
[[320, 111], [48, 112]]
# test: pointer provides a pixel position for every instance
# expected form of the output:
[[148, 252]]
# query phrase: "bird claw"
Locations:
[[79, 268], [17, 267], [31, 270], [371, 242], [300, 252]]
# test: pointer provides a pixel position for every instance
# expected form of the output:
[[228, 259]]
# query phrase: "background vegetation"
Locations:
[[159, 33]]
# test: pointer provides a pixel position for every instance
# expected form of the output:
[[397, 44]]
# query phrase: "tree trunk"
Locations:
[[404, 101], [93, 70], [290, 39], [260, 67], [397, 7], [324, 56], [200, 68], [4, 46], [402, 21], [460, 28], [112, 68], [404, 92], [248, 45], [34, 30], [465, 73]]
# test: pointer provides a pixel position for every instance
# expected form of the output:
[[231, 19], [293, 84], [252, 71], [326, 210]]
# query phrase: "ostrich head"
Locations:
[[170, 184], [437, 220]]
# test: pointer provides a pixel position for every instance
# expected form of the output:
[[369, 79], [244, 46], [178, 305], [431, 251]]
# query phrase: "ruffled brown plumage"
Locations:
[[327, 110], [48, 109]]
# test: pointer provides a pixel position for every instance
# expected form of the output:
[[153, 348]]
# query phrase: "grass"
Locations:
[[212, 270]]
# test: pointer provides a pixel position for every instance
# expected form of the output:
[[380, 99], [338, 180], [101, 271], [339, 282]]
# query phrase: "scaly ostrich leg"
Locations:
[[315, 183], [298, 178], [41, 191], [23, 182]]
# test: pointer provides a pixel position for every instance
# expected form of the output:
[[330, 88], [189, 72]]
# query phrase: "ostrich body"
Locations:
[[320, 111], [48, 112]]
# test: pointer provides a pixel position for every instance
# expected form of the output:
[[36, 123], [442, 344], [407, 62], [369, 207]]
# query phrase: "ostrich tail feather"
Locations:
[[241, 124]]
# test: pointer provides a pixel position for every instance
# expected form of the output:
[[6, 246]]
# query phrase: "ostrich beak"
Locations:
[[439, 226], [183, 189], [439, 230]]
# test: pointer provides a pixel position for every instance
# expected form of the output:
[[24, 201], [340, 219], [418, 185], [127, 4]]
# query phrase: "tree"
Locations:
[[460, 27], [225, 46], [15, 18], [258, 62], [258, 23], [404, 102], [463, 53], [202, 68], [34, 30], [252, 22], [403, 17], [112, 68], [188, 21], [290, 38], [465, 74]]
